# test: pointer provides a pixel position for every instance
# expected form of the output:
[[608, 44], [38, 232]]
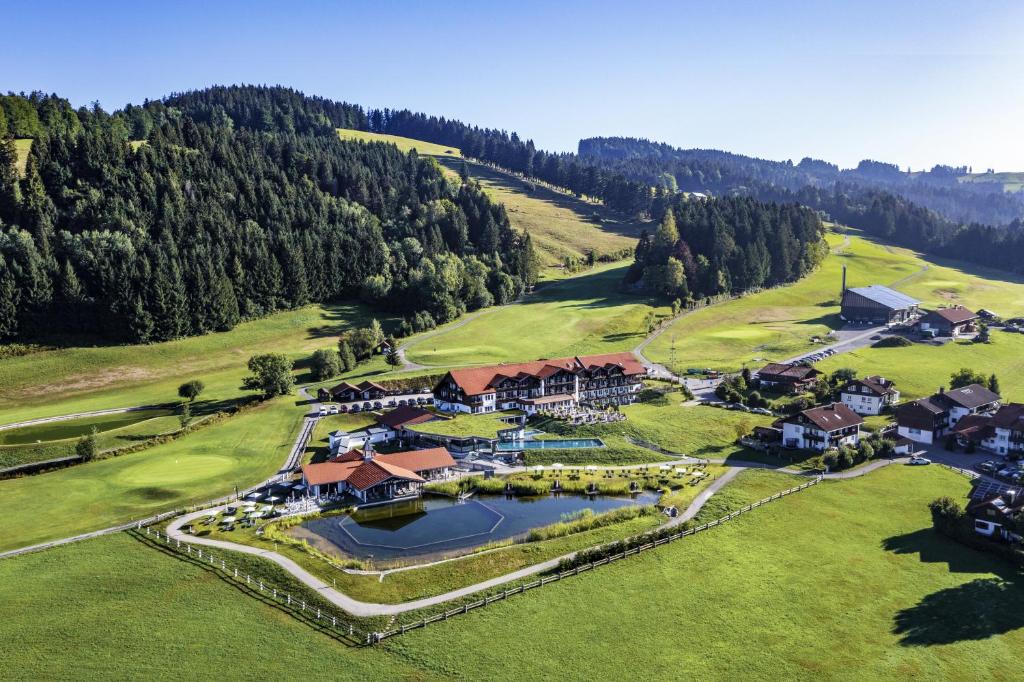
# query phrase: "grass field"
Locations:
[[243, 450], [920, 369], [482, 425], [73, 428], [580, 315], [843, 580], [561, 225], [779, 323], [66, 380], [22, 147], [1012, 182], [404, 144]]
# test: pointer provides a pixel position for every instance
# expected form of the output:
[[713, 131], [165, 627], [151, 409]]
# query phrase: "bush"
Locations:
[[892, 342]]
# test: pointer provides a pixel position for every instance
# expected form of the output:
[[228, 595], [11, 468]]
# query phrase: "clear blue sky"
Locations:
[[913, 83]]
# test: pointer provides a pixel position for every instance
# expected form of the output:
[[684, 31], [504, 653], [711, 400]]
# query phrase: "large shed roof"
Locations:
[[885, 296]]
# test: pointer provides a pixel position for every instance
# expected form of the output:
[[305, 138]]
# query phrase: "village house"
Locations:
[[995, 515], [869, 396], [346, 392], [876, 304], [389, 426], [953, 322], [928, 419], [787, 378], [370, 477], [822, 428], [1000, 432], [610, 379]]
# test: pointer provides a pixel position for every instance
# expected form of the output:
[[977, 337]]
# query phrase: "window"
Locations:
[[916, 432]]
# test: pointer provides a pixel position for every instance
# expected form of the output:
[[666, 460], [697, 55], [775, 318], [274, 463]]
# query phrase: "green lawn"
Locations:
[[480, 425], [241, 451], [117, 609], [66, 380], [779, 323], [920, 369], [579, 315], [73, 428], [319, 445], [1012, 182], [844, 580]]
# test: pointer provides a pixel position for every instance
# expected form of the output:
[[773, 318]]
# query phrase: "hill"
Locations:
[[564, 228]]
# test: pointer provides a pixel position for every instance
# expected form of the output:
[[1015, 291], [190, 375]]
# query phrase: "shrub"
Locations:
[[892, 342]]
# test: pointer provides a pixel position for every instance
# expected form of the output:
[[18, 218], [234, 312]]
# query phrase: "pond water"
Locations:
[[569, 444], [438, 526]]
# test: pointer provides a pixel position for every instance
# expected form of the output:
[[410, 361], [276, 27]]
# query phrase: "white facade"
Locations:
[[861, 403], [343, 441], [809, 437], [917, 435]]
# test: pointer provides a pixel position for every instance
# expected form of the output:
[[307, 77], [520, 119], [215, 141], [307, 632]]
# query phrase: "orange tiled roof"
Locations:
[[477, 380]]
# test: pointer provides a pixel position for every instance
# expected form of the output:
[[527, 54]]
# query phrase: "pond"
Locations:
[[570, 444], [434, 527]]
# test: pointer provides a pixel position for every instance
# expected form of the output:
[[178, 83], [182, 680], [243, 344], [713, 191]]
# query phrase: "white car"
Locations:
[[919, 460]]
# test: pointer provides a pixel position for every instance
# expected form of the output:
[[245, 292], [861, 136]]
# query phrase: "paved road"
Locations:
[[78, 415]]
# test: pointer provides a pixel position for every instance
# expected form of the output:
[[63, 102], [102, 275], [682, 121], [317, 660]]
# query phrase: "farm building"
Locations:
[[949, 321], [346, 392], [876, 304]]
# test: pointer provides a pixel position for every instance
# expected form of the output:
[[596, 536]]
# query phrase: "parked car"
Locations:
[[367, 406], [402, 402], [343, 408], [762, 410], [918, 460], [334, 409], [355, 408], [323, 410], [986, 467], [421, 401], [377, 405], [876, 337], [1009, 473]]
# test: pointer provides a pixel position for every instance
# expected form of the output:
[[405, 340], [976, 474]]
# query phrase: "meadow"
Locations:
[[803, 588], [243, 450], [920, 369], [84, 378], [1011, 181], [779, 323], [561, 225], [22, 147], [585, 314]]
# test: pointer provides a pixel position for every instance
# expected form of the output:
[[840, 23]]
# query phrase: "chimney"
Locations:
[[942, 389], [844, 278], [367, 451]]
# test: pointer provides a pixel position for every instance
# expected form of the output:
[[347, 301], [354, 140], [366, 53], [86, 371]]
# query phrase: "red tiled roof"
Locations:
[[477, 380], [419, 460], [404, 415]]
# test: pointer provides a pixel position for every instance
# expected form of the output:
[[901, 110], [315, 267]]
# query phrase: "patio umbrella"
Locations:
[[273, 498], [228, 519], [256, 515], [556, 465], [665, 467], [299, 486], [254, 496], [591, 468]]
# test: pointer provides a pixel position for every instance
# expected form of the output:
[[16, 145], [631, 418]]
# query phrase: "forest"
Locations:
[[730, 245], [188, 215]]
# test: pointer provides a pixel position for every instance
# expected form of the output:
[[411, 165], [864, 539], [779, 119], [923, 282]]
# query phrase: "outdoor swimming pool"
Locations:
[[435, 526], [569, 444]]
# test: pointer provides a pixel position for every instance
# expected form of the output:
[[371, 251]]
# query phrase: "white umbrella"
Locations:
[[228, 519], [273, 498], [591, 468], [299, 486], [256, 515], [665, 467], [680, 471], [556, 465], [254, 496]]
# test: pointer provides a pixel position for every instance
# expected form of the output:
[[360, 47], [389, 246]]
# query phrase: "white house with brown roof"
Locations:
[[953, 321], [821, 428], [1000, 432], [370, 477], [870, 395], [612, 378], [928, 419]]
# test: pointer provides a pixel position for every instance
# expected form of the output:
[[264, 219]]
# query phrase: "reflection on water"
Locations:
[[433, 527]]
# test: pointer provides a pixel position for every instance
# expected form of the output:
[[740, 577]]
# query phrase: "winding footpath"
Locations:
[[368, 609]]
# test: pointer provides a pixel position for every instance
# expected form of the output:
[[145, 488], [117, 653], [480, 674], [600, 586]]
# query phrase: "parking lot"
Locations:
[[388, 402]]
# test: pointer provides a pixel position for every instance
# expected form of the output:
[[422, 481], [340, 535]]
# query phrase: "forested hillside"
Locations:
[[704, 248], [233, 208]]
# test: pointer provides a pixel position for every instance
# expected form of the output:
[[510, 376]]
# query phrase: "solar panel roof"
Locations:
[[885, 296]]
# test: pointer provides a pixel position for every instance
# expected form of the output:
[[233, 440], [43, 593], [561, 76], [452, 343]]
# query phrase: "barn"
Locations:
[[876, 304]]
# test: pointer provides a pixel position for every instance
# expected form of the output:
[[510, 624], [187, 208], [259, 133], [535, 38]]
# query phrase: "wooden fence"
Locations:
[[339, 626], [576, 570]]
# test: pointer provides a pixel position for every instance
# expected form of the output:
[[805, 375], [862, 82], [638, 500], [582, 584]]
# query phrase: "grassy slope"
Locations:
[[584, 314], [482, 425], [117, 609], [844, 580], [22, 147], [1012, 182], [561, 225], [779, 323], [919, 370], [68, 380], [241, 451]]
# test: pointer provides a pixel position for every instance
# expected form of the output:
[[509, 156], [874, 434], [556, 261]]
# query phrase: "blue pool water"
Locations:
[[571, 444], [435, 526]]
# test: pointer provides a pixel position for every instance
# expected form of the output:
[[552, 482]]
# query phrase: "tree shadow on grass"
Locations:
[[972, 611]]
